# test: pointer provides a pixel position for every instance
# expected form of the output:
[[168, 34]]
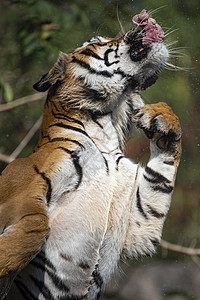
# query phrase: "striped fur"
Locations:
[[69, 211]]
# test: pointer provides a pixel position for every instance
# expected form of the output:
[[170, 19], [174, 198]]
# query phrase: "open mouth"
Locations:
[[152, 31]]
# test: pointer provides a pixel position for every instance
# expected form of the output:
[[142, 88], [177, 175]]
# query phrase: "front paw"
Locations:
[[160, 125]]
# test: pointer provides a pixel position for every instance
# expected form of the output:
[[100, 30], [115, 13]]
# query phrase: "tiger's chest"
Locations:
[[79, 221], [80, 209], [81, 217]]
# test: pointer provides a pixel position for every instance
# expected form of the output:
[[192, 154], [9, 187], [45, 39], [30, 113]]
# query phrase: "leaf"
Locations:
[[7, 90]]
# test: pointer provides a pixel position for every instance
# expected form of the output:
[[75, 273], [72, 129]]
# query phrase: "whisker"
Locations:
[[172, 67], [179, 48], [176, 51], [170, 44], [151, 12], [170, 32], [99, 28], [177, 55], [167, 29], [120, 24], [135, 29]]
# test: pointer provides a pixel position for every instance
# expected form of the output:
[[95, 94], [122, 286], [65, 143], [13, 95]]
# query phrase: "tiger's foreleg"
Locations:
[[154, 183], [19, 244], [24, 224]]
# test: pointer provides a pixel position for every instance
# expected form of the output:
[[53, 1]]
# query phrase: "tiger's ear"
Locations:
[[57, 72]]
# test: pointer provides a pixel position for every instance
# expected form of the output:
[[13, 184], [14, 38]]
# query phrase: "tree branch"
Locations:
[[27, 138], [180, 249], [6, 158], [21, 101]]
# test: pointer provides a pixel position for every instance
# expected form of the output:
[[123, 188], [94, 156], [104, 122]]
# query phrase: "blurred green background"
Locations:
[[33, 32]]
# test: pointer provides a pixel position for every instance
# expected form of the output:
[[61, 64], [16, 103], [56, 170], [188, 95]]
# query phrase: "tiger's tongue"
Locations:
[[153, 31]]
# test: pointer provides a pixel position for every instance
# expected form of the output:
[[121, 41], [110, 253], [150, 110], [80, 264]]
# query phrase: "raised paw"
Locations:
[[161, 125]]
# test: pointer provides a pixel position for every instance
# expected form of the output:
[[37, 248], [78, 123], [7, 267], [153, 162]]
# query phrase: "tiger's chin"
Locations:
[[149, 82]]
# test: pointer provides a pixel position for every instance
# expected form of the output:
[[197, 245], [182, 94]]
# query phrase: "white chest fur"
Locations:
[[80, 219]]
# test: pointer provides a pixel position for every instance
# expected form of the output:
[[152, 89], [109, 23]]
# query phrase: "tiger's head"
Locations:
[[104, 72]]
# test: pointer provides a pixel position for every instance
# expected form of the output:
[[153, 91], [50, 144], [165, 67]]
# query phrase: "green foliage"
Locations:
[[178, 292], [6, 90]]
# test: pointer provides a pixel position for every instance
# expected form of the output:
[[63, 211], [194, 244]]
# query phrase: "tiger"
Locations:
[[77, 205]]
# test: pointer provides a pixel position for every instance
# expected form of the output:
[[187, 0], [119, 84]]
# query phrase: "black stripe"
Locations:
[[45, 136], [69, 127], [52, 102], [96, 96], [59, 116], [102, 44], [116, 51], [117, 161], [155, 213], [161, 187], [157, 176], [89, 52], [54, 105], [56, 280], [97, 277], [71, 297], [77, 166], [94, 119], [27, 295], [84, 265], [170, 162], [61, 139], [150, 179], [120, 72], [107, 63], [41, 256], [164, 189], [66, 150], [48, 100], [99, 114], [48, 182], [66, 118], [42, 288], [92, 45], [97, 280], [91, 70], [78, 169], [38, 265], [63, 107], [139, 205], [106, 163]]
